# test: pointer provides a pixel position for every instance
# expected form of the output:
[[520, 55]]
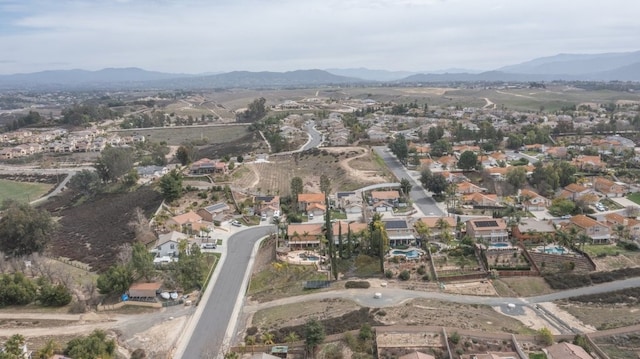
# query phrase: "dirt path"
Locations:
[[489, 104], [83, 323], [366, 175]]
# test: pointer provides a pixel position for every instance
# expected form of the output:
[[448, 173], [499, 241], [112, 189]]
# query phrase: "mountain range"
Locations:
[[570, 67]]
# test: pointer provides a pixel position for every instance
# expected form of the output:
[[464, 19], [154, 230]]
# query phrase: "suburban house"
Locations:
[[317, 209], [566, 350], [388, 196], [382, 206], [345, 198], [144, 291], [448, 162], [468, 187], [632, 225], [598, 232], [531, 229], [589, 163], [417, 355], [489, 229], [186, 221], [399, 232], [207, 166], [304, 235], [210, 213], [497, 173], [454, 177], [532, 201], [575, 191], [167, 244], [307, 199], [610, 188], [353, 208], [152, 171], [481, 200], [435, 224], [266, 204], [343, 227]]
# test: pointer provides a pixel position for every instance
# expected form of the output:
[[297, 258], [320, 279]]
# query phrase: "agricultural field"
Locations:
[[23, 191], [175, 136]]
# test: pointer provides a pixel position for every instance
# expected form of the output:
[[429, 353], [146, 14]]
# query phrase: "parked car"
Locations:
[[263, 217], [208, 245], [236, 223]]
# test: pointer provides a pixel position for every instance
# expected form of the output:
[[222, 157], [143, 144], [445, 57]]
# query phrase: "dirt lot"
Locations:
[[624, 260], [521, 287], [275, 176]]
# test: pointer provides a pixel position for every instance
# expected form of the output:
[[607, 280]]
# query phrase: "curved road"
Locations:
[[418, 194], [315, 137], [217, 313]]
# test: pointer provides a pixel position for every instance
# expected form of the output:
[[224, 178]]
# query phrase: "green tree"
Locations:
[[96, 345], [186, 154], [296, 188], [13, 347], [50, 348], [239, 159], [440, 148], [435, 183], [256, 110], [516, 177], [400, 148], [24, 229], [113, 163], [544, 336], [468, 160], [51, 295], [313, 335], [405, 186], [85, 182], [131, 178], [171, 185], [142, 261], [189, 269], [116, 280], [325, 185]]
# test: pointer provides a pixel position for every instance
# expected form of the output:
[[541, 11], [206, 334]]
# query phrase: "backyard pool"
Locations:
[[308, 257], [409, 253], [554, 250], [500, 245]]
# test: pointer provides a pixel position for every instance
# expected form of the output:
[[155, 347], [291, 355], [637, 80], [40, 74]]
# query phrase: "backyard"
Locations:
[[23, 191]]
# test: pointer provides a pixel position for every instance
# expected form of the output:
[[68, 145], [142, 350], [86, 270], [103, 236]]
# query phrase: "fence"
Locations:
[[119, 305], [76, 264]]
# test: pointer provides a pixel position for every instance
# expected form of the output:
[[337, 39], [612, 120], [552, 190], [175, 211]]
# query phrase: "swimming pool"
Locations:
[[308, 257], [500, 245], [555, 250], [410, 254]]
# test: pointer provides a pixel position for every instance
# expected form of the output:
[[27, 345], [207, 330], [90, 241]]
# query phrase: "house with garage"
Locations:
[[532, 201], [533, 230], [399, 232], [481, 200], [168, 244], [621, 225], [468, 188], [438, 224], [186, 222], [212, 212], [609, 188], [488, 229], [599, 232], [574, 191], [305, 235], [382, 206], [565, 350], [344, 199], [317, 210], [307, 199], [342, 228], [267, 205], [388, 196]]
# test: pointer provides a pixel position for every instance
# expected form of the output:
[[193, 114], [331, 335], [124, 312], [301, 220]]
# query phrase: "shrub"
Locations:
[[422, 270], [426, 278], [54, 295], [454, 338], [404, 275], [357, 284], [388, 273]]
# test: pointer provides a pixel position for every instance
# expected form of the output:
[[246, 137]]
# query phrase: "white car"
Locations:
[[236, 223]]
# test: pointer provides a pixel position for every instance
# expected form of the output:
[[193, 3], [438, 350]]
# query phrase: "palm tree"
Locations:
[[292, 337], [268, 338], [444, 227], [50, 349], [582, 239]]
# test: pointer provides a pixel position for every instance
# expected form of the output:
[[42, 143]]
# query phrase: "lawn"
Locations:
[[634, 197], [604, 249], [282, 280], [22, 191]]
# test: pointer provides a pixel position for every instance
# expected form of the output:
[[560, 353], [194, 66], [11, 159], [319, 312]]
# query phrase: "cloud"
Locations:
[[200, 36]]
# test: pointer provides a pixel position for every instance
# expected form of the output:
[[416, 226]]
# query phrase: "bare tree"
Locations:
[[140, 226], [124, 256]]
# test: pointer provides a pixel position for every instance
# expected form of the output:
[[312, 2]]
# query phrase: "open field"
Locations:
[[275, 177], [282, 280], [604, 316], [178, 135], [551, 99], [522, 286], [22, 191]]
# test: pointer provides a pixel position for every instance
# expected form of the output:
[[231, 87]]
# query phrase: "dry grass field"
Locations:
[[603, 316], [178, 135], [275, 176]]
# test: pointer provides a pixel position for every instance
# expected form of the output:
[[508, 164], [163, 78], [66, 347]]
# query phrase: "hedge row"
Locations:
[[357, 284]]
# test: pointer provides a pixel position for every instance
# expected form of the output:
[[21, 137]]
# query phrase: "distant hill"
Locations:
[[575, 64], [569, 67], [76, 78]]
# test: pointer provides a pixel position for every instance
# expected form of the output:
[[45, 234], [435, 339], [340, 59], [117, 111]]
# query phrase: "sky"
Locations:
[[205, 36]]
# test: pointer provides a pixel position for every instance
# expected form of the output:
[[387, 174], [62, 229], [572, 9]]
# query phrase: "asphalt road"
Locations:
[[315, 137], [418, 194], [207, 338]]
